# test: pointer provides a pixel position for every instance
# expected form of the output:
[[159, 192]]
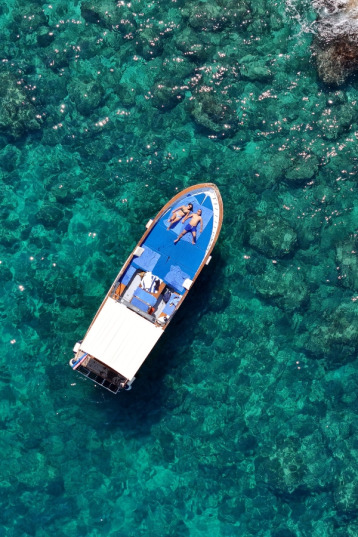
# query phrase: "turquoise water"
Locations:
[[242, 421]]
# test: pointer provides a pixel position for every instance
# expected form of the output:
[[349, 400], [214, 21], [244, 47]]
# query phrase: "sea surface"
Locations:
[[243, 420]]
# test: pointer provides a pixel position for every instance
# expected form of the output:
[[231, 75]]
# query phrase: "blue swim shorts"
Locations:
[[188, 227]]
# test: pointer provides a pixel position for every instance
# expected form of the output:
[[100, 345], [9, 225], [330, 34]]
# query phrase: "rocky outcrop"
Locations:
[[347, 262], [336, 337], [18, 115], [208, 111], [303, 167], [111, 15], [335, 45], [166, 96], [284, 287], [87, 96]]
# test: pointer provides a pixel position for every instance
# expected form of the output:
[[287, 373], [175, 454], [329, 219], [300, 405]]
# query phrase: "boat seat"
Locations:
[[144, 296], [139, 304]]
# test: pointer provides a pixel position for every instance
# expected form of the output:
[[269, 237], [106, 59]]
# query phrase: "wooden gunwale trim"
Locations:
[[146, 233]]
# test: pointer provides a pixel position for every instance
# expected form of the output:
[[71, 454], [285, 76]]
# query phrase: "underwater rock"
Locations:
[[38, 239], [166, 96], [285, 287], [335, 45], [17, 114], [270, 235], [149, 43], [257, 264], [263, 175], [298, 466], [67, 187], [60, 56], [335, 120], [50, 215], [336, 338], [231, 509], [87, 96], [283, 532], [95, 148], [346, 493], [254, 68], [262, 509], [5, 274], [302, 168], [177, 69], [220, 298], [347, 261], [11, 221], [284, 472], [108, 14], [10, 158], [59, 285], [126, 94], [44, 37], [28, 18], [8, 238], [98, 11], [55, 487], [194, 47], [207, 17], [208, 112]]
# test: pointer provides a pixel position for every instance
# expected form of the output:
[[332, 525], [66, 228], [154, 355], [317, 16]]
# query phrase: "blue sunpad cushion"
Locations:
[[145, 297], [147, 260], [139, 304], [176, 277]]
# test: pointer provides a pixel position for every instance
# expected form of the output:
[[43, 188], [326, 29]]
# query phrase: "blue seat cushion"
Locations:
[[144, 296], [172, 304], [139, 304], [175, 277], [147, 260]]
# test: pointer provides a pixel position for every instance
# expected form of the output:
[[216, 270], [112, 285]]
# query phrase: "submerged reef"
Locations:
[[284, 286], [270, 234], [18, 115], [347, 260], [336, 337]]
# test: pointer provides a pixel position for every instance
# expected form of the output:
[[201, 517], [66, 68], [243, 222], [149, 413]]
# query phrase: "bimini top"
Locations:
[[128, 325], [120, 338]]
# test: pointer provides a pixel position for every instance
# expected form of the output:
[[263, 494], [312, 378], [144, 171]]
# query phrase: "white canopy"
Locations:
[[120, 338]]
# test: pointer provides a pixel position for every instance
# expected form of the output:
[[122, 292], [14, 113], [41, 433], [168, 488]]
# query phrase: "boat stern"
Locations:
[[98, 372]]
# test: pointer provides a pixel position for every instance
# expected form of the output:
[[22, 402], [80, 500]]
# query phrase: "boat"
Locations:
[[150, 288]]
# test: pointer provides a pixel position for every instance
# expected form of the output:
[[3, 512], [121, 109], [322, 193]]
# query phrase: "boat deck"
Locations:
[[171, 262]]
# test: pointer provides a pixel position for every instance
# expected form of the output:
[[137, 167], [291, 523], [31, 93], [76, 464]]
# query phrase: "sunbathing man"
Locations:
[[191, 227], [178, 214]]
